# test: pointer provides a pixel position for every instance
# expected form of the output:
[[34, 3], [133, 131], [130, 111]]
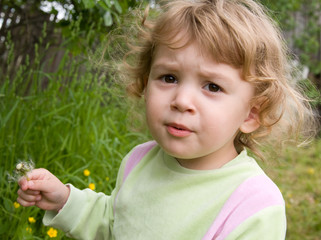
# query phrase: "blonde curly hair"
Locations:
[[239, 33]]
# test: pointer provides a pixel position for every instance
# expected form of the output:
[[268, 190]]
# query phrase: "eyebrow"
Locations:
[[169, 63], [164, 64], [214, 74], [204, 73]]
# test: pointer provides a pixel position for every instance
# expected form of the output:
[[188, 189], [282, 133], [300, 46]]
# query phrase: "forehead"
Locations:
[[218, 27], [220, 49], [182, 39], [171, 53]]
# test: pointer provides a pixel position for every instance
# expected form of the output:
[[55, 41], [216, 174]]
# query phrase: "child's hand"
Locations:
[[43, 190]]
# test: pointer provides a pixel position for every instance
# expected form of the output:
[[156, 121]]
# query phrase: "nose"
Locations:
[[183, 99]]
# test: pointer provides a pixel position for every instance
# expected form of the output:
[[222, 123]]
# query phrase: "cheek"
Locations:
[[150, 109], [225, 120], [147, 101], [152, 120], [152, 99]]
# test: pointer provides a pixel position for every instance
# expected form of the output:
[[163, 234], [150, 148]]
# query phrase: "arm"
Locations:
[[86, 215], [81, 214]]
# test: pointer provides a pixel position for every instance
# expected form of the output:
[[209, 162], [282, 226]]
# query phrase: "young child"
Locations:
[[215, 81]]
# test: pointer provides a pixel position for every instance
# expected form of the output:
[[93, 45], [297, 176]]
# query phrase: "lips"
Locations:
[[178, 130]]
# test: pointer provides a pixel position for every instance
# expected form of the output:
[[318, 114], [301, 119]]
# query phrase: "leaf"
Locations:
[[88, 3], [103, 5], [108, 20], [8, 205], [3, 123], [117, 6], [108, 3], [55, 111]]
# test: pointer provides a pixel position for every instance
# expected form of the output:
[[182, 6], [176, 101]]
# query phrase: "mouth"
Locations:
[[178, 130]]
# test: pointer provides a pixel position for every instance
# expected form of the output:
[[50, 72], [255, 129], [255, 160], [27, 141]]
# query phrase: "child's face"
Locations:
[[196, 106]]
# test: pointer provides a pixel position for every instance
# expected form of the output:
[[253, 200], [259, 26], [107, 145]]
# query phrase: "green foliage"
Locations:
[[85, 23], [300, 19], [95, 18], [66, 121]]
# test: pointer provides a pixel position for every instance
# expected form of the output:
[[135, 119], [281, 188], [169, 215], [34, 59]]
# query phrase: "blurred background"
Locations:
[[59, 107]]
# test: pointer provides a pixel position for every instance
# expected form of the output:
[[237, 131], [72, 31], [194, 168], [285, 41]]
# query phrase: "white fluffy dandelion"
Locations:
[[22, 169]]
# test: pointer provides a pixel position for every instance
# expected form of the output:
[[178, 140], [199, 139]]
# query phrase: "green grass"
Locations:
[[298, 175], [72, 119], [76, 122]]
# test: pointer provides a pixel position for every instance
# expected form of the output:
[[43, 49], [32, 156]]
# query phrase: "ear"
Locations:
[[251, 123]]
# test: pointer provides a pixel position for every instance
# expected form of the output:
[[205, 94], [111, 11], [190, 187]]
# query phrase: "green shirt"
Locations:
[[156, 198]]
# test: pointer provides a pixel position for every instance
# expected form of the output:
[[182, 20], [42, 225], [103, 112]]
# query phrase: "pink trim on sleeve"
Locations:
[[138, 153], [253, 195]]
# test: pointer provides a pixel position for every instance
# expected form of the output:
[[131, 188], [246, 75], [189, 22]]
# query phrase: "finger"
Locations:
[[31, 192], [46, 185], [25, 203], [38, 174], [38, 185], [23, 183], [28, 197], [28, 193]]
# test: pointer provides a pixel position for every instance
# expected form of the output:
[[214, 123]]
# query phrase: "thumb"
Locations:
[[43, 180], [39, 185], [39, 174]]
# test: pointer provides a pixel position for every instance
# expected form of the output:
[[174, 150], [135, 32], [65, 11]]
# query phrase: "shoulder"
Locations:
[[136, 155], [252, 197], [257, 188]]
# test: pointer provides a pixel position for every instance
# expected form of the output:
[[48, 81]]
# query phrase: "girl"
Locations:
[[214, 78]]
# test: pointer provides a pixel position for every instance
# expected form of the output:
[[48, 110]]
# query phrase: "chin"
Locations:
[[179, 154]]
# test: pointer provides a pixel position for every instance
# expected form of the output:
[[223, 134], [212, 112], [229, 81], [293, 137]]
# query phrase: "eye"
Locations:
[[212, 87], [168, 79]]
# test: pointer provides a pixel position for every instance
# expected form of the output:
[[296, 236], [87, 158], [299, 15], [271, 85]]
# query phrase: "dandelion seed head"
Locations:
[[19, 166], [21, 170]]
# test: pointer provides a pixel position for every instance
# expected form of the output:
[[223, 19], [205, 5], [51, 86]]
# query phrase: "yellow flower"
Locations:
[[86, 172], [107, 179], [92, 186], [29, 229], [31, 219], [311, 171], [52, 232], [16, 205]]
